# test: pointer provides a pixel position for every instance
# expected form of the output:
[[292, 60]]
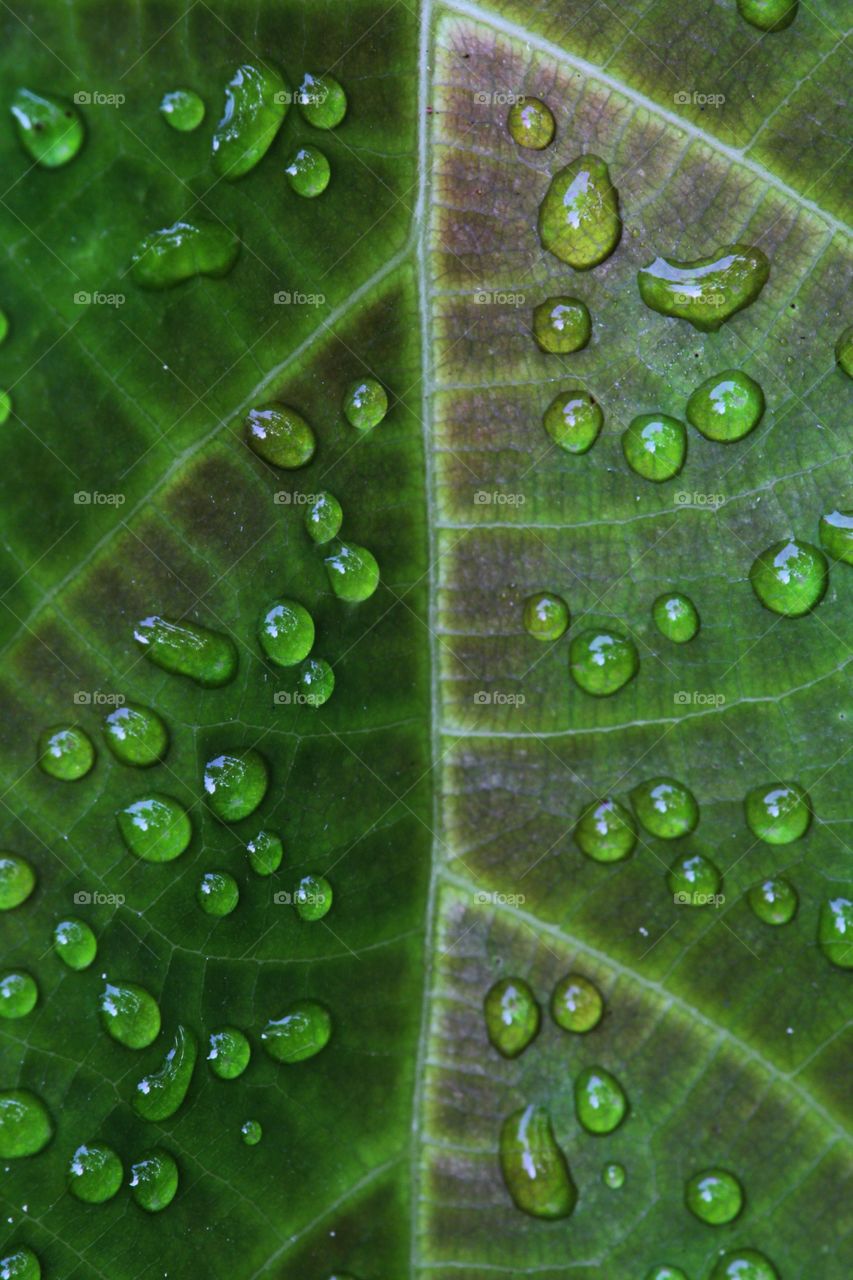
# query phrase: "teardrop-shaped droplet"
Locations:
[[605, 831], [95, 1173], [573, 420], [778, 812], [235, 783], [312, 898], [727, 406], [171, 255], [315, 682], [576, 1004], [308, 172], [182, 109], [19, 995], [676, 617], [365, 403], [531, 124], [25, 1125], [286, 632], [835, 931], [251, 1132], [545, 616], [579, 218], [666, 808], [613, 1176], [17, 880], [218, 893], [50, 129], [714, 1196], [561, 324], [600, 1101], [774, 901], [694, 881], [512, 1016], [66, 752], [265, 852], [836, 535], [155, 828], [299, 1033], [790, 577], [186, 649], [256, 102], [75, 943], [324, 517], [352, 572], [129, 1014], [768, 15], [534, 1167], [322, 101], [602, 662], [136, 735], [158, 1096], [20, 1264], [154, 1181], [744, 1264], [844, 351], [280, 436], [228, 1053], [655, 446], [707, 291]]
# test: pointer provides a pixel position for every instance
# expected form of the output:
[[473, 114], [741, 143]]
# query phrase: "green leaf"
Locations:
[[438, 787]]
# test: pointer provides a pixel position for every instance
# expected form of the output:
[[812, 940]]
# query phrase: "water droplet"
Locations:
[[298, 1034], [66, 752], [4, 326], [170, 255], [561, 324], [744, 1264], [186, 649], [155, 828], [774, 901], [726, 406], [605, 831], [545, 616], [324, 517], [601, 662], [235, 784], [308, 172], [365, 404], [5, 406], [218, 893], [159, 1095], [182, 109], [17, 881], [693, 880], [613, 1176], [714, 1196], [844, 351], [665, 807], [228, 1053], [512, 1016], [286, 632], [50, 129], [573, 420], [600, 1101], [315, 682], [75, 943], [534, 1167], [265, 853], [313, 897], [21, 1264], [154, 1181], [129, 1014], [836, 535], [256, 102], [676, 617], [768, 15], [790, 577], [352, 572], [280, 436], [322, 101], [25, 1126], [576, 1004], [252, 1132], [579, 218], [707, 291], [18, 995], [666, 1272], [136, 735], [531, 124], [95, 1173], [778, 812], [655, 446], [835, 931]]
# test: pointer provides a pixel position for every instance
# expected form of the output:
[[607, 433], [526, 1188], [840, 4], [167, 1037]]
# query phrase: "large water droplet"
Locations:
[[75, 943], [768, 15], [25, 1125], [744, 1264], [95, 1173], [286, 632], [218, 893], [576, 1004], [613, 1176], [665, 807], [844, 351], [159, 1095], [352, 572], [21, 1264], [602, 662], [19, 995], [308, 172], [298, 1034], [312, 898], [714, 1196], [694, 880], [534, 1167], [265, 852], [155, 828], [600, 1101], [512, 1016], [256, 102], [280, 436], [790, 577], [66, 752], [182, 109], [561, 324], [545, 616], [676, 617], [836, 535], [778, 812], [17, 881], [251, 1132], [170, 255], [324, 517], [365, 404], [835, 931], [708, 290], [315, 682], [228, 1053], [129, 1014], [774, 901], [573, 420], [50, 129], [136, 735], [655, 446], [726, 406], [186, 649], [154, 1181], [605, 831], [322, 101], [235, 783], [531, 124], [579, 218]]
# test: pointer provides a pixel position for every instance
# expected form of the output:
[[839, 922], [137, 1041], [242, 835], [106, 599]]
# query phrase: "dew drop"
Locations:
[[600, 1101], [182, 109], [666, 1272], [228, 1053], [171, 255], [352, 572], [561, 324], [5, 406], [844, 351], [323, 518], [159, 1095], [602, 662], [256, 102], [308, 172], [4, 326], [21, 1264], [25, 1125], [531, 124], [299, 1033], [75, 943], [129, 1014], [778, 812], [727, 406], [790, 577], [744, 1264], [251, 1132], [605, 831], [693, 880], [235, 784], [19, 995], [313, 898], [280, 436], [576, 1004], [613, 1176], [665, 807], [136, 735], [709, 290], [676, 617], [835, 931], [50, 129], [545, 616], [155, 828], [714, 1196], [365, 404], [836, 535], [512, 1016], [186, 649], [218, 893], [66, 752], [315, 682], [773, 901], [17, 881], [579, 217], [534, 1167], [265, 852], [768, 15], [655, 446], [322, 101], [573, 420], [95, 1173], [154, 1181], [286, 632]]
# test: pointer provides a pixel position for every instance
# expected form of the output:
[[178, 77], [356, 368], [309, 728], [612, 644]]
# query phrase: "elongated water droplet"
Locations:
[[665, 807], [19, 995], [154, 1181], [186, 649], [778, 812], [136, 735], [613, 1176], [324, 517], [708, 290], [352, 572], [218, 893], [308, 172], [4, 326], [365, 404], [676, 617], [75, 943], [313, 898], [25, 1125], [534, 1167], [171, 255], [605, 831], [545, 616], [20, 1264], [694, 880], [655, 446], [600, 1101], [280, 436], [50, 129], [790, 577], [561, 324], [315, 682], [531, 124], [155, 828], [251, 1132], [66, 752], [129, 1014], [256, 102], [714, 1196], [159, 1095], [286, 632], [836, 535], [768, 15], [744, 1264], [5, 406], [322, 101], [576, 1004], [844, 351], [727, 406], [95, 1173], [774, 901], [299, 1033], [17, 880], [835, 931], [602, 662], [265, 852], [579, 218], [228, 1053], [512, 1016], [573, 420], [182, 109], [235, 783]]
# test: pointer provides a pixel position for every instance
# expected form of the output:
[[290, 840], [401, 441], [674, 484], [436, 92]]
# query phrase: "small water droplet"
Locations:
[[365, 404], [665, 807], [600, 1101], [512, 1016], [235, 783], [666, 1272], [545, 616], [280, 436], [171, 255], [313, 897], [727, 406], [308, 172], [714, 1196], [50, 129], [286, 632], [75, 943], [676, 617], [229, 1052], [17, 881], [66, 752], [25, 1125], [602, 662], [315, 682], [573, 420], [579, 217], [218, 893], [129, 1014], [154, 1180], [323, 518], [835, 931], [534, 1167], [778, 812], [707, 291], [20, 1264], [4, 326], [576, 1004], [256, 102], [265, 852], [136, 735], [182, 109], [655, 446], [299, 1033], [5, 406], [95, 1173], [159, 1095], [155, 828], [19, 995], [844, 351], [252, 1132], [693, 880], [352, 572], [561, 324], [531, 124], [186, 649], [613, 1176], [790, 577], [774, 901], [744, 1264], [605, 831], [768, 15], [322, 101], [836, 535]]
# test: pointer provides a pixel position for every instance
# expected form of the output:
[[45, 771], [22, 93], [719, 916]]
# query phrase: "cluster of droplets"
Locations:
[[601, 659]]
